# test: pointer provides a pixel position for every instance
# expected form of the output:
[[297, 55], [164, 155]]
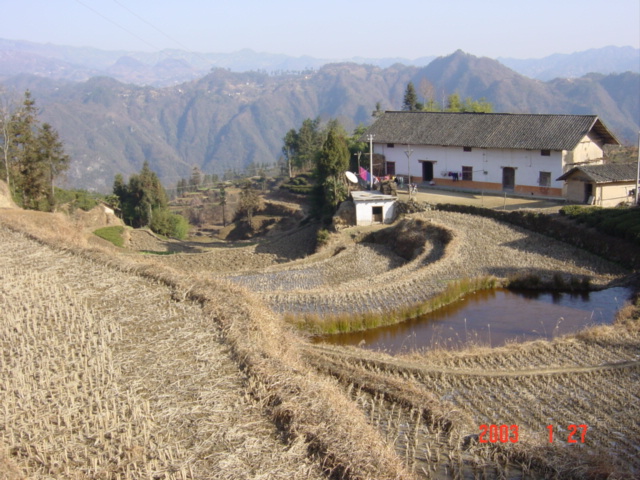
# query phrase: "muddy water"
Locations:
[[492, 318]]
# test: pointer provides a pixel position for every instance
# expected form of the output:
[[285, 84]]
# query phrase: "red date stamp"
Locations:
[[577, 433], [511, 433], [498, 433]]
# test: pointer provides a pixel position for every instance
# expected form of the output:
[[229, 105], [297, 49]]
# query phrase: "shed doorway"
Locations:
[[376, 213], [588, 193], [508, 178]]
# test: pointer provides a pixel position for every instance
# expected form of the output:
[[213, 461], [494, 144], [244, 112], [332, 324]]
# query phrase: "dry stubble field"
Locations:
[[119, 368]]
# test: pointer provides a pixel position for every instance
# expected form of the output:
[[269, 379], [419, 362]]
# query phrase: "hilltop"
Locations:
[[228, 121]]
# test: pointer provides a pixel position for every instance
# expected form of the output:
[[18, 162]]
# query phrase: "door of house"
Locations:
[[427, 171], [508, 178], [377, 214]]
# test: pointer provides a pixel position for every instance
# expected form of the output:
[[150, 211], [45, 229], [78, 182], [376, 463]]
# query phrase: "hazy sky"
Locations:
[[331, 29]]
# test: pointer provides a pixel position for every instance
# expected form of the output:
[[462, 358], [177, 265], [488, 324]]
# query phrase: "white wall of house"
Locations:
[[587, 151], [604, 195], [612, 194], [486, 164]]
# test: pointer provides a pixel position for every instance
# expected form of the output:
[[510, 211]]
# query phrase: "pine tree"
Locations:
[[33, 155], [410, 102], [333, 160], [52, 159], [223, 203], [248, 203]]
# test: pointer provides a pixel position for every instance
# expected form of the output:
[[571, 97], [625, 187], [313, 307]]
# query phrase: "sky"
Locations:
[[329, 29]]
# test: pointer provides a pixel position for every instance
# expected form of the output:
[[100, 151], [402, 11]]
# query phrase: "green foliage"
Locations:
[[621, 222], [456, 104], [75, 199], [410, 101], [300, 147], [248, 202], [163, 222], [140, 197], [299, 185], [322, 237], [111, 234], [33, 156], [333, 160]]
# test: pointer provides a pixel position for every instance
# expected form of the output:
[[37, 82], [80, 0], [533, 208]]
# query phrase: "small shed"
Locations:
[[606, 185], [373, 207]]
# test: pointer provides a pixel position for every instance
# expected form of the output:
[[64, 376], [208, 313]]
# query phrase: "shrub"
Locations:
[[322, 237], [169, 224]]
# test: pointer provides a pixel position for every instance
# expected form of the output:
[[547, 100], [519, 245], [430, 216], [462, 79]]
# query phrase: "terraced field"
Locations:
[[120, 365], [453, 246]]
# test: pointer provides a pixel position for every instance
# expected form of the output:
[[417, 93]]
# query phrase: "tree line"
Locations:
[[33, 155], [454, 103], [328, 151], [142, 202]]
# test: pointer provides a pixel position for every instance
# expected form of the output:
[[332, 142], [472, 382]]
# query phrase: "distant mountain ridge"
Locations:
[[228, 120], [604, 60], [169, 67]]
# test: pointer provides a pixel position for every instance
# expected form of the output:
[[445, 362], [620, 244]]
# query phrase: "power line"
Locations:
[[153, 26], [116, 24]]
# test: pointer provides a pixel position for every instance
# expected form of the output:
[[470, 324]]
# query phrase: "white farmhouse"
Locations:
[[520, 153]]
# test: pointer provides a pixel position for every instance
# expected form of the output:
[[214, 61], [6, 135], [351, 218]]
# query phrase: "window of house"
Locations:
[[466, 149], [545, 179], [467, 173], [545, 153], [390, 145]]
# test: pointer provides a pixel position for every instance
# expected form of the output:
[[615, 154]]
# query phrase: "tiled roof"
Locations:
[[488, 130], [606, 173]]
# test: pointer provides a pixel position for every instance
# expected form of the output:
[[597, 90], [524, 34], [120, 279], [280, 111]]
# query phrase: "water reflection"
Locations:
[[492, 318]]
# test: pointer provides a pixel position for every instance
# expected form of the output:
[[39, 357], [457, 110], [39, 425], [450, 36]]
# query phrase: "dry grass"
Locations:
[[590, 379], [120, 367], [171, 389], [144, 389]]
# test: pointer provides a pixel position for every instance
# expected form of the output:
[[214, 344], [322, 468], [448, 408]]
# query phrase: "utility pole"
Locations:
[[408, 153], [638, 172], [358, 154], [370, 137]]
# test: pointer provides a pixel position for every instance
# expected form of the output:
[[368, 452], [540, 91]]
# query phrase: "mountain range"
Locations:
[[227, 120], [169, 67]]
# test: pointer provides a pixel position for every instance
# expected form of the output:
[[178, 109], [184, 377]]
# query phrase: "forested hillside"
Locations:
[[229, 120]]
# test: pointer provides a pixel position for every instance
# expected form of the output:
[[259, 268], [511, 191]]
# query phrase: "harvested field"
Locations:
[[455, 246], [145, 388], [584, 380], [160, 375], [143, 366]]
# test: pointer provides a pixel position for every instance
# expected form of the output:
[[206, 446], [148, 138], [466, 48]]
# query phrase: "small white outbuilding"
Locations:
[[373, 207], [604, 185]]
